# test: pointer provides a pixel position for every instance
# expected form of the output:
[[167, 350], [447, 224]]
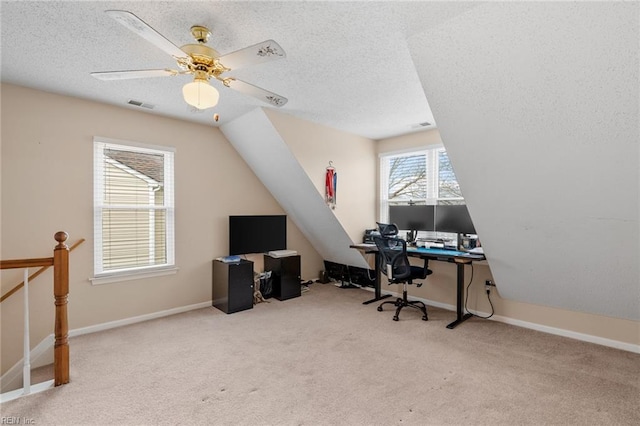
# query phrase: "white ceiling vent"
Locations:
[[140, 104]]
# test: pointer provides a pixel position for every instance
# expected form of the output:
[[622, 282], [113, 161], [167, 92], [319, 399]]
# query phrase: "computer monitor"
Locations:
[[413, 218], [454, 218]]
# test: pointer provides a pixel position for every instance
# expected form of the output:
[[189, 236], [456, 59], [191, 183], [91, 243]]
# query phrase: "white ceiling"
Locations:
[[347, 66]]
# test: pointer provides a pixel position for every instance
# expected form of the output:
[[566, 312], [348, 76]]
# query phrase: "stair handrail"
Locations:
[[35, 274], [60, 263]]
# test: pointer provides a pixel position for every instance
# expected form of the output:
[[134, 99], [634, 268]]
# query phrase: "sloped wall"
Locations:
[[537, 105], [264, 150]]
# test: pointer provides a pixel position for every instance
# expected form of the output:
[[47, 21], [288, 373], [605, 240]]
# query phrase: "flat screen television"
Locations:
[[454, 218], [257, 234], [413, 218]]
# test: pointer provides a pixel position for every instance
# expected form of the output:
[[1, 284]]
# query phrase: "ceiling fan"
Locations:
[[201, 61]]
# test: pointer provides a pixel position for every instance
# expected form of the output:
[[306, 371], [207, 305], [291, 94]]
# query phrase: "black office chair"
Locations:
[[387, 229], [394, 263]]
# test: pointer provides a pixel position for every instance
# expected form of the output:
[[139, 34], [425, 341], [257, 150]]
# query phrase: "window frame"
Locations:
[[100, 275], [431, 153]]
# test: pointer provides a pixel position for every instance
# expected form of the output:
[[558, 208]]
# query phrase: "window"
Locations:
[[417, 177], [448, 188], [133, 208]]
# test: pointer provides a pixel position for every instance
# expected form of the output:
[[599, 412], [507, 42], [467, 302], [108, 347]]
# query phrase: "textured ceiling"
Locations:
[[347, 66]]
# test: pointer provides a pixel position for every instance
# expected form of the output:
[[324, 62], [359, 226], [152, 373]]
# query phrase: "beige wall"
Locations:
[[441, 284], [409, 141], [354, 158], [47, 186]]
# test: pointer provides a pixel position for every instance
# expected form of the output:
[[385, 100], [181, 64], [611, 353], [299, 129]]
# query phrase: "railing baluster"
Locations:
[[26, 364]]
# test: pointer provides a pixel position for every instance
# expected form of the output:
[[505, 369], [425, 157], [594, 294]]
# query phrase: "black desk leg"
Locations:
[[460, 316], [378, 295]]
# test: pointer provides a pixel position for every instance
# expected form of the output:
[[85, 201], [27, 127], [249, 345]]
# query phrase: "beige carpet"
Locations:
[[326, 359]]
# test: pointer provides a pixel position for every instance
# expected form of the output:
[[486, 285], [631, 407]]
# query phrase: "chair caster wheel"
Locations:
[[395, 318], [424, 318], [379, 308]]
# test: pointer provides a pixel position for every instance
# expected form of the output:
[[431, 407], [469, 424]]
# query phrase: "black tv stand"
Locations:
[[286, 276], [232, 286]]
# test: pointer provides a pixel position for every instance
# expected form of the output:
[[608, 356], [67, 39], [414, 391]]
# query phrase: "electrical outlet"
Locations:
[[487, 286]]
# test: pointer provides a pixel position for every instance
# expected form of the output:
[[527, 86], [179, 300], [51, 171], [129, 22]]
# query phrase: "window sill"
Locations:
[[128, 276]]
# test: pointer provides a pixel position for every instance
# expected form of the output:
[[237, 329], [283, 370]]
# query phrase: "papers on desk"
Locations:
[[428, 244]]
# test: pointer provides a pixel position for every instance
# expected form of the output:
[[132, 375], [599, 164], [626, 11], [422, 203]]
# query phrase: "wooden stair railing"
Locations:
[[60, 263], [35, 274]]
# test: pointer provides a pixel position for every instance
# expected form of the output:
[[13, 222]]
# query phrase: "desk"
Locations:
[[460, 258]]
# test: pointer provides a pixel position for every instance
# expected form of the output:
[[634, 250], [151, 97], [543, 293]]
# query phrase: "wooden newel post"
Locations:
[[61, 292]]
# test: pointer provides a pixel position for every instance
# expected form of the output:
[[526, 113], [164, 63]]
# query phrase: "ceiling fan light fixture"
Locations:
[[200, 94], [200, 60]]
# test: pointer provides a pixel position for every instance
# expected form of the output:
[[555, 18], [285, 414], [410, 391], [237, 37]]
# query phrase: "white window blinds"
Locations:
[[417, 177], [133, 207]]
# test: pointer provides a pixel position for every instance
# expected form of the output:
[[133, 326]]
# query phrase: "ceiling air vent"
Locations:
[[421, 125], [140, 104]]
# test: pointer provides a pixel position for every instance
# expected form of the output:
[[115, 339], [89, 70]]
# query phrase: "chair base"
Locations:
[[402, 302]]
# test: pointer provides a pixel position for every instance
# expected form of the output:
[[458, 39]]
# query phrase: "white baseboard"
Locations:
[[630, 347], [134, 320], [568, 333], [15, 394], [42, 353]]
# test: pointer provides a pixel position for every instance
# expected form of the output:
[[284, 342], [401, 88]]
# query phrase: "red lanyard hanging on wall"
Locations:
[[331, 181]]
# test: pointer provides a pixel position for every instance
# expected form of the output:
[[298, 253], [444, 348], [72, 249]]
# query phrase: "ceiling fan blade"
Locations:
[[143, 29], [266, 51], [256, 92], [125, 75]]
